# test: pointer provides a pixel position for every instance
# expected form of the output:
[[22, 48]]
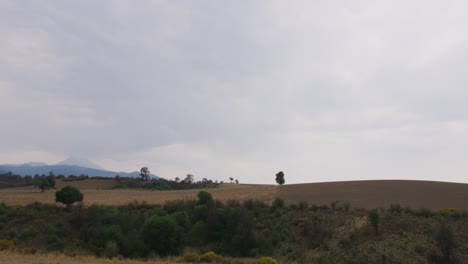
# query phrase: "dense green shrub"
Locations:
[[68, 195], [204, 197], [162, 234], [27, 233]]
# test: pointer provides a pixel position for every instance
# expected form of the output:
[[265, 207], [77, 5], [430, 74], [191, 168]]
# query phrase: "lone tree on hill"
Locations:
[[280, 178], [44, 182], [144, 173], [189, 179], [68, 195]]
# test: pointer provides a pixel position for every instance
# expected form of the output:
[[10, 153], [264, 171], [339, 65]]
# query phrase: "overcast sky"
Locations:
[[323, 90]]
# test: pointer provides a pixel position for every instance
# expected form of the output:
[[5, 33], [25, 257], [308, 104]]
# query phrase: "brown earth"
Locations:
[[95, 192], [380, 193], [360, 194]]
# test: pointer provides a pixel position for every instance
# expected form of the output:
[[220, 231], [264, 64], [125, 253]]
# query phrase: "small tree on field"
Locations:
[[280, 178], [44, 182], [374, 217], [189, 178], [204, 197], [144, 173], [68, 195]]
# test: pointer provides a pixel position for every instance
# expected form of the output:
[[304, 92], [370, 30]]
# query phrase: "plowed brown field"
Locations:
[[381, 193]]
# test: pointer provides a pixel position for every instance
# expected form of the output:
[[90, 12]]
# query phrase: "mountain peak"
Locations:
[[82, 162], [35, 164]]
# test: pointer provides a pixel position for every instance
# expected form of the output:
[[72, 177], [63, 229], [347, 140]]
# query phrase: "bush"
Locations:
[[54, 243], [278, 203], [423, 212], [346, 206], [374, 217], [111, 250], [267, 260], [204, 197], [209, 257], [190, 257], [162, 234], [395, 208], [29, 232], [303, 205], [68, 195], [446, 242], [6, 244]]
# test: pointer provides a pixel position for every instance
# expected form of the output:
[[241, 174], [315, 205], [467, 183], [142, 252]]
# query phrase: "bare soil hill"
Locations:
[[97, 192], [380, 193]]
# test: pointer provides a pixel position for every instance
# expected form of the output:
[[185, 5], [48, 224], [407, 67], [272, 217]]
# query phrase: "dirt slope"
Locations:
[[380, 193]]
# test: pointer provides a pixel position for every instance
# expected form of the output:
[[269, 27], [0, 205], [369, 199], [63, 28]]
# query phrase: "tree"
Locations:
[[177, 179], [68, 195], [162, 233], [189, 178], [204, 197], [144, 173], [44, 182], [237, 182], [231, 179], [280, 178]]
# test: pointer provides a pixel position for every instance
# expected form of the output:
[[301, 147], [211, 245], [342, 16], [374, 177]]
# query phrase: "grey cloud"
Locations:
[[254, 84]]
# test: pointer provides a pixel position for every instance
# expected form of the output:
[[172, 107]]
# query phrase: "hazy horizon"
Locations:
[[324, 91]]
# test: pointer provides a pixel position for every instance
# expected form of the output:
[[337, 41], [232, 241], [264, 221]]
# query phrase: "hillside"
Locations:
[[380, 193]]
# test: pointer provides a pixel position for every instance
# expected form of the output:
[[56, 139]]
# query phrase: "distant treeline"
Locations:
[[10, 180]]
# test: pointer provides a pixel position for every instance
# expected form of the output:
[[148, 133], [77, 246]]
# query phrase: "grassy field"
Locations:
[[18, 258], [360, 194], [98, 192], [372, 194]]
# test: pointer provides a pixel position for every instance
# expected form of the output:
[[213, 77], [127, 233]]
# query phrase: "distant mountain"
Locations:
[[40, 168], [81, 162]]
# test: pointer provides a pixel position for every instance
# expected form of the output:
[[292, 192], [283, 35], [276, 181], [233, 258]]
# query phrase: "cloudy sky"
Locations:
[[323, 90]]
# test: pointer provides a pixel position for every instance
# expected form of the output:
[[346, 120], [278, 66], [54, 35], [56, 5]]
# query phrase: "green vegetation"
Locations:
[[144, 173], [374, 217], [280, 178], [207, 230], [68, 195]]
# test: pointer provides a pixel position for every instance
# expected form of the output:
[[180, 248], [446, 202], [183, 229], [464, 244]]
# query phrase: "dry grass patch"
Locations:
[[26, 195], [18, 258], [12, 257]]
